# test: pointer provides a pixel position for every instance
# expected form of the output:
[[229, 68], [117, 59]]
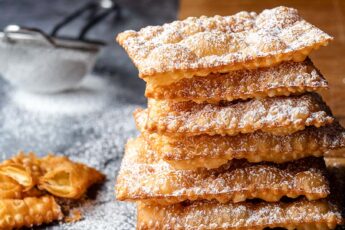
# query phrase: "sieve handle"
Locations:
[[22, 33], [93, 8]]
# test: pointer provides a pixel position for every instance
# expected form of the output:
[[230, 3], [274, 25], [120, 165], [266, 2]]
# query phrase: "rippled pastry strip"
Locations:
[[191, 152], [200, 46], [287, 78], [145, 177], [28, 212], [278, 115], [299, 214]]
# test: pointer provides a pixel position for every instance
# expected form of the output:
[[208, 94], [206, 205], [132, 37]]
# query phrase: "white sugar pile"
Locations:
[[94, 94]]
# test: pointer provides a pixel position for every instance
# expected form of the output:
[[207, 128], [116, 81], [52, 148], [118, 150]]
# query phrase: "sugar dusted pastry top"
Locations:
[[277, 115], [191, 152], [287, 78], [145, 177], [299, 214], [199, 46]]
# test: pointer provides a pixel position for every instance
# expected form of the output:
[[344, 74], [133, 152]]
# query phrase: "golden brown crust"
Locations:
[[29, 212], [192, 152], [55, 174], [199, 46], [64, 178], [299, 214], [9, 188], [23, 168], [279, 116], [145, 177], [287, 78]]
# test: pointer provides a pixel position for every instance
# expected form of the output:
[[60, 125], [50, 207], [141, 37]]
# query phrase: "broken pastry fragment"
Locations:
[[23, 168], [28, 212], [64, 178], [278, 116], [287, 78], [9, 188], [201, 46], [147, 178], [26, 180], [298, 214], [205, 151]]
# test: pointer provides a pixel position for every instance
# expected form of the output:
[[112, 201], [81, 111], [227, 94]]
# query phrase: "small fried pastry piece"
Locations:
[[28, 212], [287, 78], [145, 177], [9, 188], [298, 214], [191, 152], [64, 178], [23, 168], [278, 116], [200, 46]]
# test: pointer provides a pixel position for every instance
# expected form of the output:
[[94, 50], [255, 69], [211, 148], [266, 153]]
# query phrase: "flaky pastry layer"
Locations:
[[200, 46], [287, 78], [299, 214], [28, 212], [145, 177], [278, 115], [56, 174], [23, 168], [67, 179], [9, 188], [191, 152]]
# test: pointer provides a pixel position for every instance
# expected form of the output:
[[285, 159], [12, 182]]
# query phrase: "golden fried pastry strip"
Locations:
[[67, 179], [23, 168], [9, 188], [145, 177], [193, 152], [200, 46], [285, 79], [30, 211], [278, 115], [19, 173], [299, 214]]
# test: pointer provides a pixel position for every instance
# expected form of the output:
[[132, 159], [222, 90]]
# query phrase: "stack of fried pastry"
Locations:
[[234, 134], [30, 188]]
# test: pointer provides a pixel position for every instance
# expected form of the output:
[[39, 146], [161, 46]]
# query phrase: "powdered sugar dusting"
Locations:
[[284, 79], [146, 177], [214, 42], [92, 95], [278, 115], [300, 214], [94, 136]]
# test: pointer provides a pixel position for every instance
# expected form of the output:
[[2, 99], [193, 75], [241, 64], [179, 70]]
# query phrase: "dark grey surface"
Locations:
[[96, 134]]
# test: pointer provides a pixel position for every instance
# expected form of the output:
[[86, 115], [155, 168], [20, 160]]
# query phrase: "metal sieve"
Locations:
[[36, 62]]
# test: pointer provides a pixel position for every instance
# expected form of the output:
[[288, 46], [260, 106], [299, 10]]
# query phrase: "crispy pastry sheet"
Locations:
[[23, 168], [278, 115], [191, 152], [145, 177], [200, 46], [28, 212], [64, 178], [287, 78], [22, 175], [9, 188], [299, 214]]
